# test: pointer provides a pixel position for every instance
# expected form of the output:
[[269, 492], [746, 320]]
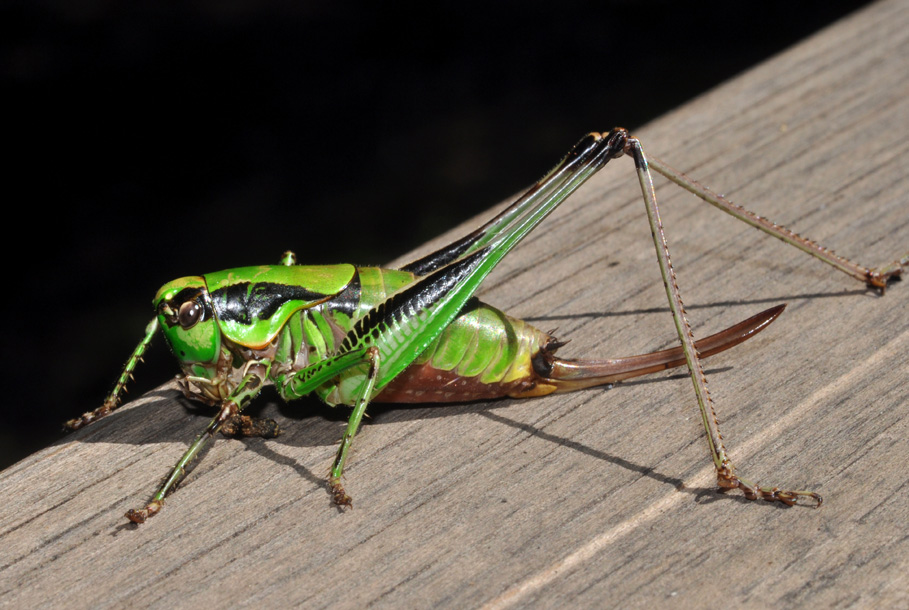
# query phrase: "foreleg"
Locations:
[[246, 390]]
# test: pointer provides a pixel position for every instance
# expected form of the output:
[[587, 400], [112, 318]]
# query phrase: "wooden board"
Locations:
[[597, 498]]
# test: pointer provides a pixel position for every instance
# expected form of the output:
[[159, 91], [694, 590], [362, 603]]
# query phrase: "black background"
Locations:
[[155, 140]]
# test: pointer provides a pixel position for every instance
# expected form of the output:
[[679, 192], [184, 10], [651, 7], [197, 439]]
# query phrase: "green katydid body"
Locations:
[[354, 335], [295, 316]]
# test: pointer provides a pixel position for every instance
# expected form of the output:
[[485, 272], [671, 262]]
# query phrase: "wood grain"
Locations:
[[594, 498]]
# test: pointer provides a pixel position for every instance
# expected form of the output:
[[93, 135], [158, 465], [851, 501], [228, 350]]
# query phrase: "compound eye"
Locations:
[[190, 313]]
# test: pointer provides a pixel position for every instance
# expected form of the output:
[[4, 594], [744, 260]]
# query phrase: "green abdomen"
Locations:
[[482, 354]]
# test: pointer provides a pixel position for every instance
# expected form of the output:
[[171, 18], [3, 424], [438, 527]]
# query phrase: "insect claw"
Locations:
[[881, 277], [245, 426], [137, 516], [339, 496], [726, 480], [142, 515]]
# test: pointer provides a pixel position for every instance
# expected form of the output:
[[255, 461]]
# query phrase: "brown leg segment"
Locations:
[[726, 477], [875, 278]]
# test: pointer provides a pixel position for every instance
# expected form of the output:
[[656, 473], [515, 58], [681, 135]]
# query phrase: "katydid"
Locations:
[[356, 335]]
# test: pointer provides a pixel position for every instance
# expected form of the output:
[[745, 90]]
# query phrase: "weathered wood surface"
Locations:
[[595, 498]]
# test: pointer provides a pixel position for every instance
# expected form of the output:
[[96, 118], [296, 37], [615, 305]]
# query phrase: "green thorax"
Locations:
[[321, 329], [317, 333], [252, 304]]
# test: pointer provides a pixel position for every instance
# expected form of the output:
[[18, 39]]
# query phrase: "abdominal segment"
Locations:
[[482, 354]]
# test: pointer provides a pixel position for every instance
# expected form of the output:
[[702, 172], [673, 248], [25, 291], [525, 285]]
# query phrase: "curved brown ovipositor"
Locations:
[[544, 373]]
